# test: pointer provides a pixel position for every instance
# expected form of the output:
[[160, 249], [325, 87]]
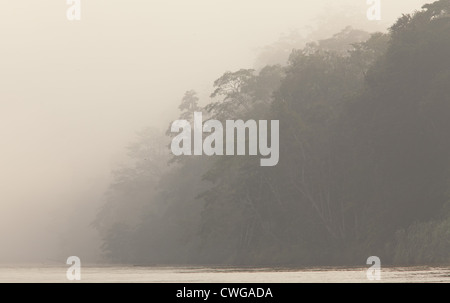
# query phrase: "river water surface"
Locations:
[[127, 274]]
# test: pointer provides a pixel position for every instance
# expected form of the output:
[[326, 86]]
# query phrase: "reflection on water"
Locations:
[[220, 275]]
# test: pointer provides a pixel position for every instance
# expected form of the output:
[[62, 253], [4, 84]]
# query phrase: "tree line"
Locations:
[[363, 167]]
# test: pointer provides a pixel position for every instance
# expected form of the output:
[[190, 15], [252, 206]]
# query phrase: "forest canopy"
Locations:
[[363, 166]]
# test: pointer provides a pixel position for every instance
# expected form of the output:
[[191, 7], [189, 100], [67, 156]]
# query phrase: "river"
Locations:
[[94, 274]]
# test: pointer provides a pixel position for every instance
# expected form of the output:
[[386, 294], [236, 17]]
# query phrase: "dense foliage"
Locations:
[[364, 162]]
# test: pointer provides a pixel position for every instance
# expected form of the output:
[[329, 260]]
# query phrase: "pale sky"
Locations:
[[73, 94]]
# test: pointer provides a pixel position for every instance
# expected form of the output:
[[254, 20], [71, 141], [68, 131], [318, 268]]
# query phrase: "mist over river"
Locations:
[[205, 139]]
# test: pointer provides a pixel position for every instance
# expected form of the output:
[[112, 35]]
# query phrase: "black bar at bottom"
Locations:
[[221, 292]]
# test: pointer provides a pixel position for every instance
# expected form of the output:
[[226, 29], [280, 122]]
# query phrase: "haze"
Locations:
[[73, 95]]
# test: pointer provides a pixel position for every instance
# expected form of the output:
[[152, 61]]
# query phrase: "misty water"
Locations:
[[362, 114], [126, 274]]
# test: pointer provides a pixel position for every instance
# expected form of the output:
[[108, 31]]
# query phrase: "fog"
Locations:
[[73, 95]]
